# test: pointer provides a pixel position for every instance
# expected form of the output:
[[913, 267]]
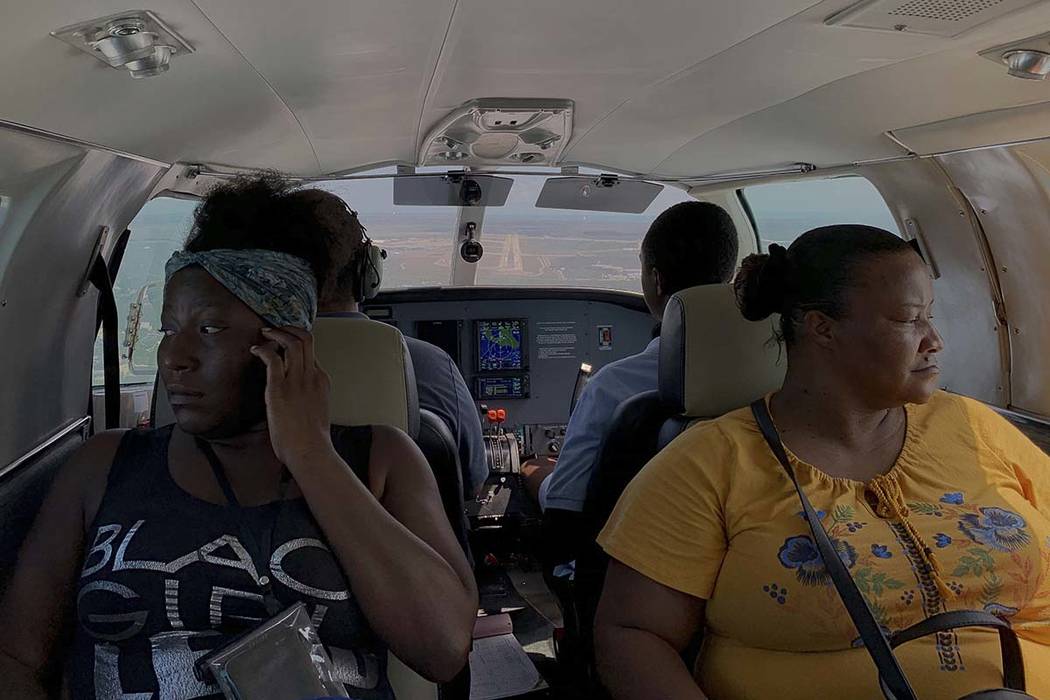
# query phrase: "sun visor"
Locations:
[[602, 193], [451, 190], [1027, 123]]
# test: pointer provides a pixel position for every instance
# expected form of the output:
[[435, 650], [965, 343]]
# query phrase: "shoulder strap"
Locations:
[[894, 683], [259, 551]]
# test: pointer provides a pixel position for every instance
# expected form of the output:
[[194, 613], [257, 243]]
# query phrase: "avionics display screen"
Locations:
[[503, 387], [444, 334], [501, 345]]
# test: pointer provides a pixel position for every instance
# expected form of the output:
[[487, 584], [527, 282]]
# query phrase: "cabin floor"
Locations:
[[519, 591]]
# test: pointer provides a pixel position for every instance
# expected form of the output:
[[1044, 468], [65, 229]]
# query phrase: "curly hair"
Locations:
[[261, 211]]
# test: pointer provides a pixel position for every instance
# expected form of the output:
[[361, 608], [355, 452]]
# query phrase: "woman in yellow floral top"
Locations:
[[933, 501]]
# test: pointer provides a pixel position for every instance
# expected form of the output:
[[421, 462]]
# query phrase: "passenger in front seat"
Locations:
[[440, 385], [690, 244], [156, 546]]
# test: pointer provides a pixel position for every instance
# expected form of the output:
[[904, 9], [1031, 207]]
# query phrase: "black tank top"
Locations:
[[166, 579]]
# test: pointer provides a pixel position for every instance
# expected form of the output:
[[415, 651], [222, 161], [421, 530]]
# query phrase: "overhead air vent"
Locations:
[[494, 131], [944, 18]]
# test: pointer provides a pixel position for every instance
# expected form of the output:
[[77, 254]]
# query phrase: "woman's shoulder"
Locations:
[[85, 474], [946, 411], [967, 421], [710, 449], [727, 431]]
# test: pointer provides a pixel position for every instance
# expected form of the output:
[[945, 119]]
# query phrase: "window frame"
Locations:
[[762, 244], [131, 380]]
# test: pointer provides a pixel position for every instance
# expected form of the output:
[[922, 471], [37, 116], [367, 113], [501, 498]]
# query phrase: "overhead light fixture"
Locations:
[[1027, 63], [135, 40], [500, 131]]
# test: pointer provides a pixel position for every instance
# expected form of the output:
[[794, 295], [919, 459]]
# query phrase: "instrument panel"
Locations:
[[522, 349]]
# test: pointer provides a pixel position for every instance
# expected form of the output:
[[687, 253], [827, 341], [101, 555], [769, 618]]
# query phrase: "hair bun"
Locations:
[[762, 283]]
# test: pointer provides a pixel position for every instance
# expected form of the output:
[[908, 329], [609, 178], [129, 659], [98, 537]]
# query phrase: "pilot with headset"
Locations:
[[359, 276]]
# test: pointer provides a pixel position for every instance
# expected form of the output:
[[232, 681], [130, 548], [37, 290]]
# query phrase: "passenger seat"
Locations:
[[362, 356], [373, 384], [712, 361]]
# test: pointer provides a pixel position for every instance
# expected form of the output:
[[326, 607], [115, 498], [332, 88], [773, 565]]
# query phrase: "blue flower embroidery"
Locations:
[[1003, 611], [820, 514], [955, 498], [942, 540], [881, 551], [800, 553], [996, 528]]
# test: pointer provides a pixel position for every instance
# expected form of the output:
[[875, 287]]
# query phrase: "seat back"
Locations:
[[371, 372], [23, 487], [372, 382], [630, 442], [712, 361], [439, 447]]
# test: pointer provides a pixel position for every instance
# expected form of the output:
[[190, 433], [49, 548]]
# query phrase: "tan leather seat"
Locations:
[[373, 383], [713, 360], [371, 371]]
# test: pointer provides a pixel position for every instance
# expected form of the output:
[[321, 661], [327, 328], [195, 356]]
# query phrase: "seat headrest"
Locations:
[[372, 378], [712, 360]]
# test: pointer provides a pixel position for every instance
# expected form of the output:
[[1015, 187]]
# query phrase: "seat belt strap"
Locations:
[[891, 675], [107, 318]]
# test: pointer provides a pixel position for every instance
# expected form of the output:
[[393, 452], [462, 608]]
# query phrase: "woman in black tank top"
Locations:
[[138, 551]]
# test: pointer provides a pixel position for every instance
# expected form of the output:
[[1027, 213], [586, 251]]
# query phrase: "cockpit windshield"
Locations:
[[523, 245]]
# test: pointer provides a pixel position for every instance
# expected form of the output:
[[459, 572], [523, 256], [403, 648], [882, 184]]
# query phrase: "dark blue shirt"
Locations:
[[168, 577]]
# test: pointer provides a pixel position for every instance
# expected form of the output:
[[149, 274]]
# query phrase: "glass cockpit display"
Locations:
[[515, 387], [501, 345]]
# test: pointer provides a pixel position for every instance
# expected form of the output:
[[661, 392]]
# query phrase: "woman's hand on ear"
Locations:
[[296, 397]]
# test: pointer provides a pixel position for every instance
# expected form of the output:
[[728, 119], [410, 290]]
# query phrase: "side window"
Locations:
[[158, 230], [783, 211]]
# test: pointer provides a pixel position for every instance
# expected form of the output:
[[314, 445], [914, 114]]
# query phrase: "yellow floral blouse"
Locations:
[[961, 521]]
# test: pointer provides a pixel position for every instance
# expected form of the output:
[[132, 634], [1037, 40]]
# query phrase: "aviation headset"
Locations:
[[367, 263], [369, 269]]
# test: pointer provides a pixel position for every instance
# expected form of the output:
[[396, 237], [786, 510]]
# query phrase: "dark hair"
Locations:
[[260, 211], [690, 244], [814, 274], [344, 237]]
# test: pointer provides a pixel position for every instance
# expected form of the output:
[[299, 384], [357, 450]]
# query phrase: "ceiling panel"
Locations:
[[599, 54], [678, 87], [780, 64], [211, 105], [355, 74], [845, 120]]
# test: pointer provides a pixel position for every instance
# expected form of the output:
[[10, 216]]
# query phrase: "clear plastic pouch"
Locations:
[[281, 659]]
